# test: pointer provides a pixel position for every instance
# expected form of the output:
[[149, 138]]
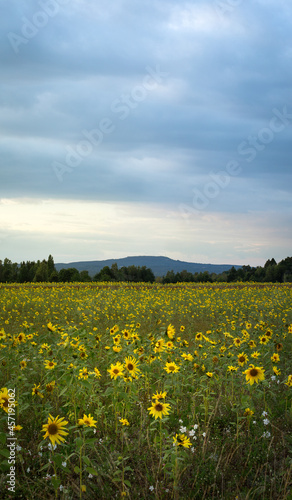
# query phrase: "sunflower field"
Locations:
[[146, 391]]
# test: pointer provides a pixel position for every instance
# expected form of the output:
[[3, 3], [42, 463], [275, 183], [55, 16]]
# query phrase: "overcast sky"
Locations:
[[146, 128]]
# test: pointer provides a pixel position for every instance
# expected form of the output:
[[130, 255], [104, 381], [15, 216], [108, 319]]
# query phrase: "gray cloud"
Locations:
[[225, 74]]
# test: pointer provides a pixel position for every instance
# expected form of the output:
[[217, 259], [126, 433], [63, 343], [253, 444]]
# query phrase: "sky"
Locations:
[[146, 128]]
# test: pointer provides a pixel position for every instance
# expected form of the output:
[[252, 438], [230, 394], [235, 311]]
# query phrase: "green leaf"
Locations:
[[2, 437], [127, 483], [78, 442], [76, 469], [5, 453], [92, 471], [56, 482], [63, 391], [86, 460]]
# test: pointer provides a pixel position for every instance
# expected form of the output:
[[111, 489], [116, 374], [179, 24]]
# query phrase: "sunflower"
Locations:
[[181, 440], [275, 358], [97, 373], [83, 374], [171, 368], [248, 412], [237, 341], [51, 328], [21, 337], [36, 391], [50, 386], [159, 346], [131, 365], [50, 365], [22, 364], [124, 421], [159, 409], [182, 328], [87, 421], [170, 332], [242, 359], [187, 357], [54, 429], [264, 339], [209, 374], [279, 347], [231, 369], [126, 334], [114, 329], [276, 371], [17, 427], [254, 374], [252, 344], [4, 399], [116, 370], [288, 383], [159, 395], [199, 336]]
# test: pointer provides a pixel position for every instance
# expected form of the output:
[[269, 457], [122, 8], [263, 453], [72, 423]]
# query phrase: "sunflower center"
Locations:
[[158, 407], [171, 368], [241, 359], [52, 429], [5, 402], [253, 372], [130, 366], [116, 371]]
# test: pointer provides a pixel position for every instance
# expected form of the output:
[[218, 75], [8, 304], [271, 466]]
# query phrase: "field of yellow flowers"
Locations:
[[146, 391]]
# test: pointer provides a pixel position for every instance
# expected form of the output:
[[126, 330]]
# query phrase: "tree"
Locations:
[[41, 272], [51, 265], [69, 275]]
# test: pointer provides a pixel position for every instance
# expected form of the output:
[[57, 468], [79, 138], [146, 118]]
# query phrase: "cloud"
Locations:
[[79, 71]]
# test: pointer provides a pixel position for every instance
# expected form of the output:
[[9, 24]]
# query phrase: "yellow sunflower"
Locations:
[[275, 358], [254, 374], [170, 331], [182, 440], [131, 365], [116, 370], [50, 386], [4, 399], [50, 365], [51, 328], [242, 359], [159, 395], [87, 421], [55, 429], [124, 421], [83, 374], [159, 409], [36, 391], [171, 368]]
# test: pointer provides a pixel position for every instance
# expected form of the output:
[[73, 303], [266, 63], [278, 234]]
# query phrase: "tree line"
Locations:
[[45, 271], [270, 273]]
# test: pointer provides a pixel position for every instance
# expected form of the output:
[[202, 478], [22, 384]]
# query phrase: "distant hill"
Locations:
[[159, 265]]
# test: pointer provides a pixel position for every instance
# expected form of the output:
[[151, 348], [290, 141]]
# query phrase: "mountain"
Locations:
[[159, 265]]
